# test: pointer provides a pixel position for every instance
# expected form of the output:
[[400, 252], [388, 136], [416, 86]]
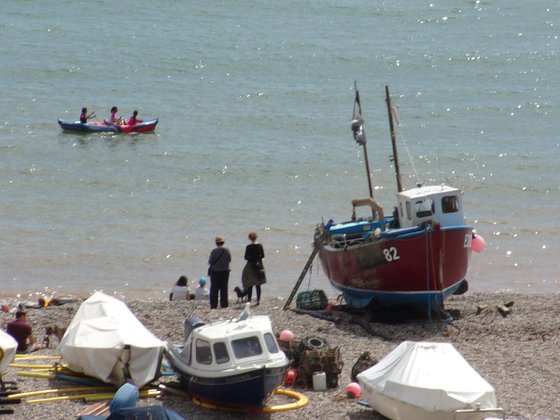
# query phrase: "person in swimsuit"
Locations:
[[84, 117], [113, 120], [133, 120]]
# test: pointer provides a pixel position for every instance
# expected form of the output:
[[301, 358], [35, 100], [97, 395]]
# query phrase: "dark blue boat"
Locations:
[[232, 364]]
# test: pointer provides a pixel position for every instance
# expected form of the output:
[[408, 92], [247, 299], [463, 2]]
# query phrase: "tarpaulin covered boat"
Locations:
[[427, 381], [102, 127], [106, 341], [8, 347]]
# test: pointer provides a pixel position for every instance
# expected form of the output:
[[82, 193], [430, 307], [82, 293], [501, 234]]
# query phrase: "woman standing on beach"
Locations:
[[219, 274], [253, 272]]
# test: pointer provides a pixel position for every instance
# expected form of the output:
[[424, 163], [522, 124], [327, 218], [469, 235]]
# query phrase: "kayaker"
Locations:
[[133, 120], [84, 117], [113, 120]]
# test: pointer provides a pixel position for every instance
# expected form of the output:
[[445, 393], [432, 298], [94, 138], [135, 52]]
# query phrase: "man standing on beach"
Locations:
[[219, 274], [22, 332]]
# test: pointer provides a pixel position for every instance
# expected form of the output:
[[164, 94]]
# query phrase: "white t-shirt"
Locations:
[[201, 293], [179, 292]]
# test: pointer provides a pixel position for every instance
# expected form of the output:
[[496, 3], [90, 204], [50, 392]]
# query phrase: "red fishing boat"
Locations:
[[417, 256]]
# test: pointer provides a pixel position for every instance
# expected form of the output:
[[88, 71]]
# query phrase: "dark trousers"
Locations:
[[250, 292], [219, 286]]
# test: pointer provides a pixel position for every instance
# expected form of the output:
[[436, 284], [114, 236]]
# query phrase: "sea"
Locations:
[[254, 100]]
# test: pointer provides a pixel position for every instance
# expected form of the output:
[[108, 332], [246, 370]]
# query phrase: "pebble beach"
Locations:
[[516, 352]]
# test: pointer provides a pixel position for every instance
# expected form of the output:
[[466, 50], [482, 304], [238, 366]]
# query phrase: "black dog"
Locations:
[[241, 294]]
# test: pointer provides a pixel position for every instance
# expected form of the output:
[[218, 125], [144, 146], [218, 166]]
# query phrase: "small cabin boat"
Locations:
[[234, 363]]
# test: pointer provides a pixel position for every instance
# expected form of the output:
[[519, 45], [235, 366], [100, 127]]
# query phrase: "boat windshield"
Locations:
[[450, 204], [424, 208], [270, 343], [221, 353], [246, 347]]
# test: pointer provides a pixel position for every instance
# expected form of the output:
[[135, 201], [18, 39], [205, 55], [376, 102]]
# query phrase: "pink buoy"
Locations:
[[290, 377], [286, 335], [353, 390], [478, 243]]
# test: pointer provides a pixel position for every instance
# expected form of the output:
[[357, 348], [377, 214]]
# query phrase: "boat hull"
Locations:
[[420, 267], [100, 127]]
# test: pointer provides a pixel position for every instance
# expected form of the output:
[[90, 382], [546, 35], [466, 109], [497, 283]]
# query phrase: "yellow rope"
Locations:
[[59, 391]]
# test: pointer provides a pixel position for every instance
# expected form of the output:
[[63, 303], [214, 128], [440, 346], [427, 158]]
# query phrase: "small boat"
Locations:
[[417, 256], [102, 127], [427, 381], [106, 341], [233, 363]]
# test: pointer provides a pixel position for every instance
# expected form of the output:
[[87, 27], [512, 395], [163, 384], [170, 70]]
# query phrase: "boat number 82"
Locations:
[[391, 254]]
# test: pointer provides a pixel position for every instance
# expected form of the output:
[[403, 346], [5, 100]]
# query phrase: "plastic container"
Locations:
[[319, 381]]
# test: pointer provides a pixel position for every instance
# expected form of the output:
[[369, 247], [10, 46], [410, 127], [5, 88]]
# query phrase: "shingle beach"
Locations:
[[518, 352]]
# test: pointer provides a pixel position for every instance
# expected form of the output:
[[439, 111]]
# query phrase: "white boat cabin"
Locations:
[[431, 204], [230, 345]]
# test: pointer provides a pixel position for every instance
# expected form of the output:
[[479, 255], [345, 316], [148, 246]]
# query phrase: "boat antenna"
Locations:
[[393, 139], [360, 134]]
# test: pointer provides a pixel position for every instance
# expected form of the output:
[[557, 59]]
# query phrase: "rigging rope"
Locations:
[[401, 137]]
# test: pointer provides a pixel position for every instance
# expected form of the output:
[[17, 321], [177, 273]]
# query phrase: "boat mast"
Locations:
[[393, 139], [359, 133]]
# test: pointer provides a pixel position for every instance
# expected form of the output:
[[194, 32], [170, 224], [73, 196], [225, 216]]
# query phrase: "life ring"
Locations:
[[301, 402]]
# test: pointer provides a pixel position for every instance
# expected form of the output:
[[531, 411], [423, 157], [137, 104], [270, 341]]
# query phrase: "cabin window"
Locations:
[[270, 343], [450, 204], [203, 353], [221, 353], [408, 211], [424, 208], [246, 347]]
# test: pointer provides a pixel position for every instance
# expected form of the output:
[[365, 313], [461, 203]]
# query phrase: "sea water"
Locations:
[[255, 100]]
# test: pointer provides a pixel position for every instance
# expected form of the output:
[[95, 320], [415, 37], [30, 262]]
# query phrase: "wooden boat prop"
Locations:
[[234, 363], [417, 256], [427, 381], [102, 127]]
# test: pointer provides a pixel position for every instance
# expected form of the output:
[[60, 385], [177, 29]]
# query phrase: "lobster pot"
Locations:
[[289, 348], [312, 300], [325, 360]]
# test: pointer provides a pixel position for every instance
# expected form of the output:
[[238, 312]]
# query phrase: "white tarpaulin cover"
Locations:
[[433, 376], [8, 347], [106, 341]]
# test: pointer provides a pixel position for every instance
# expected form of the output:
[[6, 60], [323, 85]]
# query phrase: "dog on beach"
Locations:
[[55, 330], [241, 294]]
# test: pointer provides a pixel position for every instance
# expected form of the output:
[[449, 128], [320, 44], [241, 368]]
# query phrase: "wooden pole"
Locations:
[[318, 244], [368, 172], [393, 139]]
